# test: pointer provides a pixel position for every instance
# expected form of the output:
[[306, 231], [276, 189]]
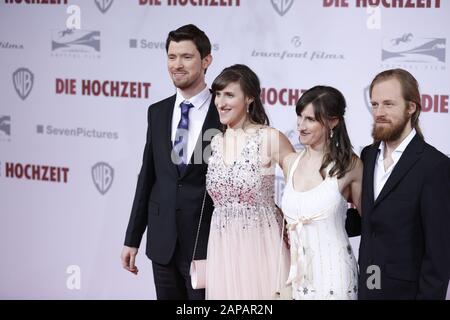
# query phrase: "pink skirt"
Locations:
[[247, 259]]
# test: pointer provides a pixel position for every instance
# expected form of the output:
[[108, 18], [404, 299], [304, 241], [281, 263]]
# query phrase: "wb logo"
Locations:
[[23, 82], [282, 6], [103, 5], [103, 176]]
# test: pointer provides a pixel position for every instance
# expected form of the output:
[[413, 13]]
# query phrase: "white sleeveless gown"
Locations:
[[323, 266]]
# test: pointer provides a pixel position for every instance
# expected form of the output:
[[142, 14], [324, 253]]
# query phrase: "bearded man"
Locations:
[[405, 240]]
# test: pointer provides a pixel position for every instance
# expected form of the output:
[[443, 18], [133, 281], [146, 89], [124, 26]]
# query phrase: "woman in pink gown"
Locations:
[[246, 256]]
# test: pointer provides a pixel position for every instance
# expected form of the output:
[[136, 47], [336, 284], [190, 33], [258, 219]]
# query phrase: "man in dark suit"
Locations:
[[405, 242], [171, 188]]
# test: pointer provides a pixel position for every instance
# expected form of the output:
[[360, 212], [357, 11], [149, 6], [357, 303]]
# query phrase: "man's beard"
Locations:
[[183, 84], [388, 131]]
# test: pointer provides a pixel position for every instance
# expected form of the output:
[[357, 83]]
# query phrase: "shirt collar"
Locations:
[[400, 148], [198, 101]]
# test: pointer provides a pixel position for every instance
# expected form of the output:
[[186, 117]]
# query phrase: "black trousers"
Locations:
[[172, 281]]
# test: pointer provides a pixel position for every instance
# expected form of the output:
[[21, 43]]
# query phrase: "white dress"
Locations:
[[323, 266]]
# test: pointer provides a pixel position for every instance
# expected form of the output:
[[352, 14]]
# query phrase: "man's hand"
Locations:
[[128, 258]]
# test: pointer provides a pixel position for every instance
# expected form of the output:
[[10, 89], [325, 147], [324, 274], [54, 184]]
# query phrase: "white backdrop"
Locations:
[[70, 152]]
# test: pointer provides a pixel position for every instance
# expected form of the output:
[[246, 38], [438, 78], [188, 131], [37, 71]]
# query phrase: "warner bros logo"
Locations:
[[103, 5], [23, 80], [282, 6], [103, 176]]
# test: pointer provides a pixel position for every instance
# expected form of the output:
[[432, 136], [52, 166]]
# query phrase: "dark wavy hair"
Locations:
[[193, 33], [250, 85], [328, 104]]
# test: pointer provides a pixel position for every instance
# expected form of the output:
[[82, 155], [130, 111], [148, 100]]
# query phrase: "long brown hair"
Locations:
[[250, 86], [410, 91], [329, 103]]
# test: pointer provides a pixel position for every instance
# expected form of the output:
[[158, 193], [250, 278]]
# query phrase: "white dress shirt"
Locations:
[[197, 115], [381, 175]]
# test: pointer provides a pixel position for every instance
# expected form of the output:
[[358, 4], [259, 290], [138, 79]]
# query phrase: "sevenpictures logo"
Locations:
[[77, 132], [135, 43]]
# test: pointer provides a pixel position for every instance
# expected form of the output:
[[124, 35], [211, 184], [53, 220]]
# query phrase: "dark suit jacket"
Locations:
[[166, 203], [406, 230]]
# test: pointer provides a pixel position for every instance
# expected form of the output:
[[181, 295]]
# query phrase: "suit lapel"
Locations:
[[211, 121], [370, 163], [409, 157], [167, 113]]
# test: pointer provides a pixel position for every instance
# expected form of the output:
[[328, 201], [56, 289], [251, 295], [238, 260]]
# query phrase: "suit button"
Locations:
[[180, 185]]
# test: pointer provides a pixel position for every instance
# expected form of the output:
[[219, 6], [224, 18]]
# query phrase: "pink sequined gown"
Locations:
[[246, 257]]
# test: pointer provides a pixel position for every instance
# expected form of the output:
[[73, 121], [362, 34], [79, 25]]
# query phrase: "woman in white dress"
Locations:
[[320, 181], [244, 260]]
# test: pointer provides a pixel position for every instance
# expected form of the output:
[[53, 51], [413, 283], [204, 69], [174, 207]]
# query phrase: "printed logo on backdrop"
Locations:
[[103, 5], [36, 172], [102, 176], [431, 103], [76, 43], [10, 45], [282, 6], [135, 43], [386, 4], [190, 3], [5, 128], [36, 2], [23, 80], [295, 50], [105, 88], [412, 52], [78, 132], [280, 96]]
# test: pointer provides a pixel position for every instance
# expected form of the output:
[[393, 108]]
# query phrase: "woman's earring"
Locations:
[[331, 133]]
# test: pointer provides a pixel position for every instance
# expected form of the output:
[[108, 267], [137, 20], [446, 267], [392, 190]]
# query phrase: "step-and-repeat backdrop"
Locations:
[[76, 80]]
